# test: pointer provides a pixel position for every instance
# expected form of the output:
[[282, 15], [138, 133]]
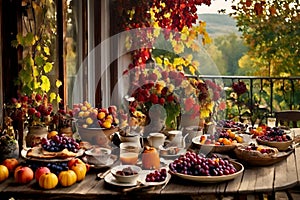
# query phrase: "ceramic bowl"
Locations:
[[98, 155], [126, 173]]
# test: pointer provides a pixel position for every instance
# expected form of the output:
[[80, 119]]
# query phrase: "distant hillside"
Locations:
[[219, 24]]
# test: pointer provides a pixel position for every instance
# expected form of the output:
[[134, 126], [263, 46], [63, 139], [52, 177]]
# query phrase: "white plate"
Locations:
[[24, 155], [109, 178], [142, 178], [214, 179]]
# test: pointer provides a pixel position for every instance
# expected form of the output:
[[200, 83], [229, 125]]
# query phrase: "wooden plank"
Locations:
[[285, 173], [264, 179], [234, 185], [248, 181]]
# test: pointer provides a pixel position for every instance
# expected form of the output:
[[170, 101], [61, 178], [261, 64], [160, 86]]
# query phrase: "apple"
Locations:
[[40, 171], [74, 161], [11, 164], [112, 109], [105, 110], [23, 174]]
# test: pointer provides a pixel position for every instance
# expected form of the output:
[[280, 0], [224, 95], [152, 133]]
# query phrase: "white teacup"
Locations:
[[175, 137], [156, 139]]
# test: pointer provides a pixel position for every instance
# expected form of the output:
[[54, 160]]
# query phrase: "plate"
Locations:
[[144, 173], [24, 155], [110, 179], [211, 147], [213, 179]]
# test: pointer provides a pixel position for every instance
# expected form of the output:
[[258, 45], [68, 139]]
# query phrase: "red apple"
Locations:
[[11, 164], [105, 110], [23, 174], [40, 171], [74, 161], [112, 109]]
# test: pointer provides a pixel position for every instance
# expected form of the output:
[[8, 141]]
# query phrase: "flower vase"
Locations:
[[35, 135]]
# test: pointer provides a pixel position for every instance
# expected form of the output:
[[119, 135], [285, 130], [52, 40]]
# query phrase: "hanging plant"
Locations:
[[36, 40]]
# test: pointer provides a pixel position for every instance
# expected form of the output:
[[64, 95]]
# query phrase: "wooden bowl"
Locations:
[[281, 146], [256, 159]]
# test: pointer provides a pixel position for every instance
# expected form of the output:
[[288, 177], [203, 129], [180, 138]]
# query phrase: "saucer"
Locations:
[[112, 180]]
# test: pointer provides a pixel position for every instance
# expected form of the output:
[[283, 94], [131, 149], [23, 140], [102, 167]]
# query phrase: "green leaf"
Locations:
[[45, 86], [58, 83], [29, 39], [48, 67], [39, 60]]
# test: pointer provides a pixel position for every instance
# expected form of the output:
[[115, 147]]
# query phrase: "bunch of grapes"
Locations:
[[157, 175], [58, 143], [275, 134], [199, 165]]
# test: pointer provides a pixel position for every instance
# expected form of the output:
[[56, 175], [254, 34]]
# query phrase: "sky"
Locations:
[[215, 6]]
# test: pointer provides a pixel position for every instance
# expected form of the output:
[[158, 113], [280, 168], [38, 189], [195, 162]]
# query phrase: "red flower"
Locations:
[[162, 101], [154, 98]]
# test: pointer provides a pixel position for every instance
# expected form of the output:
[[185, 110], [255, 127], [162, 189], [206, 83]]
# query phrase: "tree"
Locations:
[[271, 30], [232, 49]]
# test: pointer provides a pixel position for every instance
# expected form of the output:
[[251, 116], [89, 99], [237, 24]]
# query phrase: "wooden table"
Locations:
[[268, 180]]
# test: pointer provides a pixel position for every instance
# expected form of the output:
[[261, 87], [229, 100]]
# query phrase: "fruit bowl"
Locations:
[[255, 158], [281, 146]]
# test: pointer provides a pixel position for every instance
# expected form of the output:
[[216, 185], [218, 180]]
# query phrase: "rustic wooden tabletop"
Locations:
[[254, 180]]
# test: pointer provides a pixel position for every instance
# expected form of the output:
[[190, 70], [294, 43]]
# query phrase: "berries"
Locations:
[[199, 165], [58, 143], [157, 175]]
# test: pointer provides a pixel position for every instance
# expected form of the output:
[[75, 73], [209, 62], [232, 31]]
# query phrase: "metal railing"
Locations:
[[275, 93]]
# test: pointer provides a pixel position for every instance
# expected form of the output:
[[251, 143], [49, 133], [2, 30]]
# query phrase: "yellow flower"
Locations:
[[171, 87], [179, 67], [158, 60], [167, 15], [192, 69], [178, 47], [204, 113], [159, 87], [179, 61]]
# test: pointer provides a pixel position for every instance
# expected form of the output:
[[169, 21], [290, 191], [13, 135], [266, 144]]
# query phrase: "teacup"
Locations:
[[156, 139], [175, 137]]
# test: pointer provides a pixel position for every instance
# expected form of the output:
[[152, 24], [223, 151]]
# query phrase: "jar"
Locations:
[[150, 158], [35, 135]]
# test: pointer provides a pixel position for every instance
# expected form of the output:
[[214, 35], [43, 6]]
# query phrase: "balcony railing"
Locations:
[[272, 93]]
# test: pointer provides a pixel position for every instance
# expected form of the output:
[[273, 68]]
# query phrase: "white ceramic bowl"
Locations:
[[120, 173], [98, 155]]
